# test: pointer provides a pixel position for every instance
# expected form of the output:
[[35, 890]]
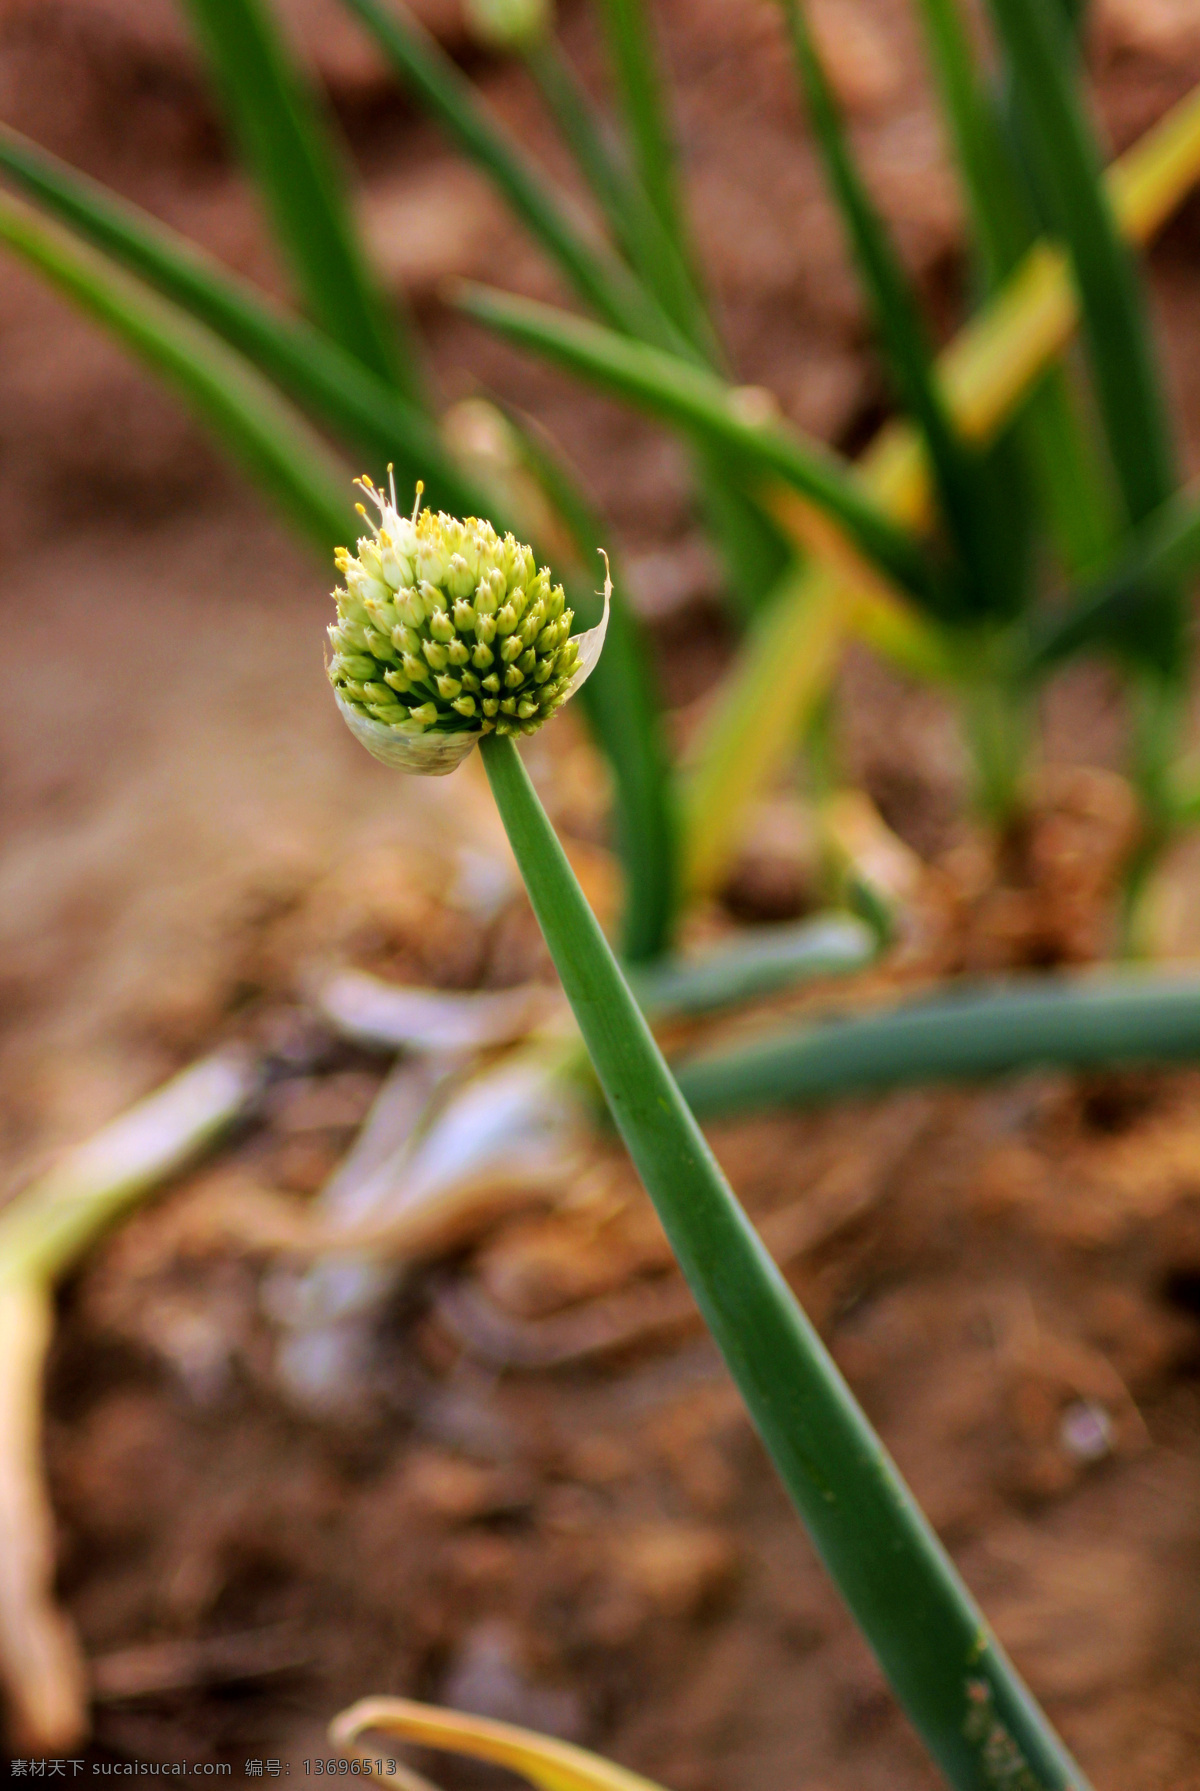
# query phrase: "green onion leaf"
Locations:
[[1066, 473], [636, 227], [1029, 1023], [366, 412], [260, 430], [621, 702], [698, 401], [1037, 41], [634, 56], [969, 503], [1113, 611], [599, 278], [288, 144], [758, 961]]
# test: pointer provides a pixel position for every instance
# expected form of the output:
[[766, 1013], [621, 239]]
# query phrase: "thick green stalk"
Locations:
[[947, 1669]]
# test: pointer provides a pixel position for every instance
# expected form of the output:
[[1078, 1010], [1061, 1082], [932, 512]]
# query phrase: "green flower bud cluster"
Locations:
[[445, 627]]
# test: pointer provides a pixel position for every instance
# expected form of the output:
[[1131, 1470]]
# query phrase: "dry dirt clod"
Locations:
[[678, 1568]]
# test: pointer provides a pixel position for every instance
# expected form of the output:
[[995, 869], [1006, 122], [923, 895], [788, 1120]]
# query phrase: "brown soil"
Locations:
[[1011, 1279]]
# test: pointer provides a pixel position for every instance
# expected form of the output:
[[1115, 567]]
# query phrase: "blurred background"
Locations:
[[594, 1546]]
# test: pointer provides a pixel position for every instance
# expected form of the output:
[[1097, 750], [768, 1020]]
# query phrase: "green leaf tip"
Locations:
[[447, 631]]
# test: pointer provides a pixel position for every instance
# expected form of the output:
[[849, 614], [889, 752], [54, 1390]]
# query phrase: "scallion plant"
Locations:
[[894, 550], [474, 617], [933, 549], [1013, 492]]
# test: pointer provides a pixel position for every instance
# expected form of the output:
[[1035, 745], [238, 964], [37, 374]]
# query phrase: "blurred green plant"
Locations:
[[1021, 502], [249, 368], [1114, 1020], [935, 549]]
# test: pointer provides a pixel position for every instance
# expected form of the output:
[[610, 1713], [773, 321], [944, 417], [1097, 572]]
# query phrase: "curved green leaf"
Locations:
[[288, 143], [969, 501], [599, 278], [1036, 39], [263, 433], [1024, 1024], [697, 400], [369, 415]]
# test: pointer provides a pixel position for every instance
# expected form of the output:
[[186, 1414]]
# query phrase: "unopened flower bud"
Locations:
[[460, 580], [409, 607], [478, 630], [353, 665], [489, 592], [379, 646]]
